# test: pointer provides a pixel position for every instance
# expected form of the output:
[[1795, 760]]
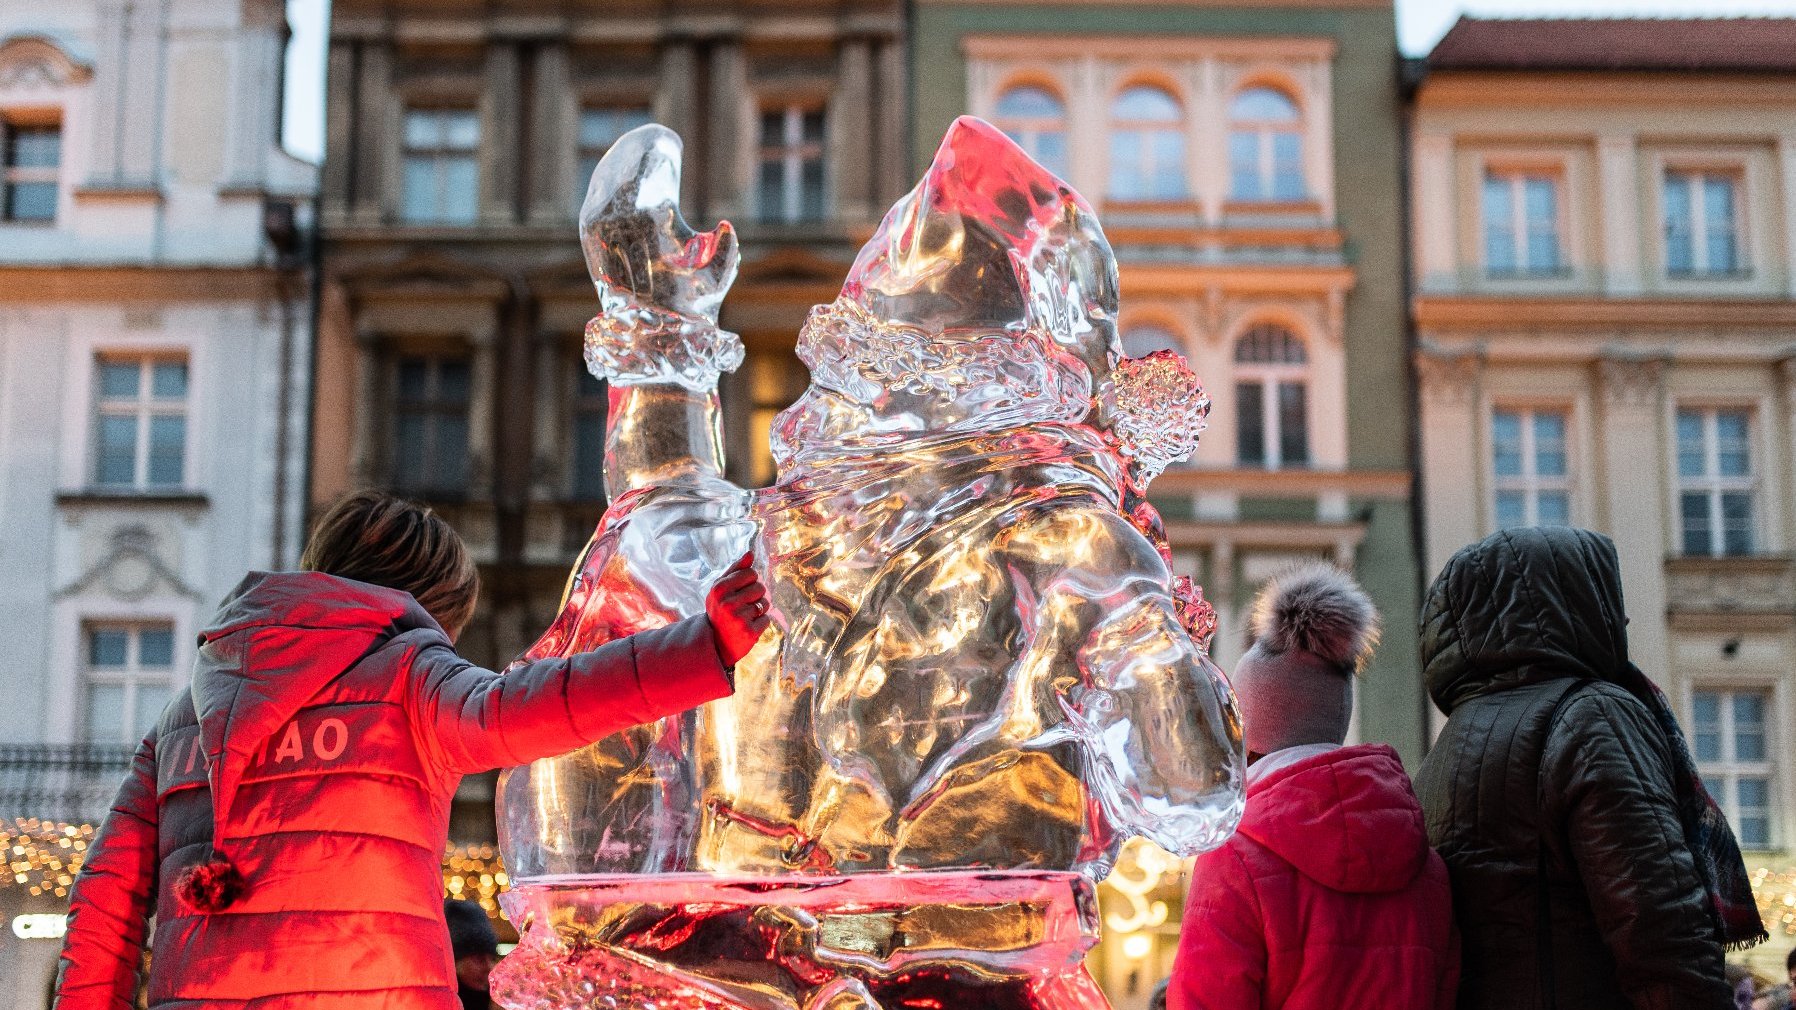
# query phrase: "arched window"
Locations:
[[1147, 145], [1141, 340], [1271, 401], [1265, 147], [1035, 118]]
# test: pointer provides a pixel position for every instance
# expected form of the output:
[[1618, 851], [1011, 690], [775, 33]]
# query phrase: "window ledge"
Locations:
[[1505, 276], [133, 496], [127, 191], [1708, 276], [1289, 208]]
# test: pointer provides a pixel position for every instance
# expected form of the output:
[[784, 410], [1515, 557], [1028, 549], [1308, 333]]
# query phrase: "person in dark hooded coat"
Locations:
[[1590, 869]]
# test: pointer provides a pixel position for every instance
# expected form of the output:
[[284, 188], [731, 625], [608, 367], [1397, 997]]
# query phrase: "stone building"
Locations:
[[1244, 160], [1604, 217], [459, 141], [154, 341]]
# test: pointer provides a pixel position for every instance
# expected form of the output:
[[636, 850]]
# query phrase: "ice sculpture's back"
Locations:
[[982, 679]]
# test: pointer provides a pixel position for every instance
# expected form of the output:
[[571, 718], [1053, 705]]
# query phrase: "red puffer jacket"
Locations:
[[1326, 898], [328, 726]]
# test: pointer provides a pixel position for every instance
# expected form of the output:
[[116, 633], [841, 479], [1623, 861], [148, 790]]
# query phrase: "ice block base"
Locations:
[[875, 941]]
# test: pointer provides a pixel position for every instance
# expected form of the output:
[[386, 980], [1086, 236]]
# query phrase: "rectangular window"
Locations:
[[592, 402], [140, 421], [1250, 423], [1716, 487], [430, 451], [440, 175], [599, 129], [1272, 423], [30, 157], [1529, 467], [1733, 755], [790, 183], [1702, 223], [776, 381], [130, 677], [1521, 224]]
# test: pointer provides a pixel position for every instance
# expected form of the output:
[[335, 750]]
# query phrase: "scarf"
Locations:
[[1706, 830]]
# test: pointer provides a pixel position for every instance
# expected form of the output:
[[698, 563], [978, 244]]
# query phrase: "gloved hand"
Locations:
[[737, 608]]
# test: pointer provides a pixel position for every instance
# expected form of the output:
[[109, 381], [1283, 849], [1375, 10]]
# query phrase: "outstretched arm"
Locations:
[[1157, 718], [479, 719], [110, 905]]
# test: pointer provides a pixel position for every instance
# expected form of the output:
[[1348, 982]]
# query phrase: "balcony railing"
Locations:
[[70, 783]]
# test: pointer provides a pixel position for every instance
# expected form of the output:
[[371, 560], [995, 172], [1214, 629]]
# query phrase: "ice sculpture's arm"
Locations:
[[1221, 964], [473, 719], [1157, 717], [111, 904]]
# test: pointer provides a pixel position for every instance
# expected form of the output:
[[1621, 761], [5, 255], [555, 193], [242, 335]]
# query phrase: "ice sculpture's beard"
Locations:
[[876, 383]]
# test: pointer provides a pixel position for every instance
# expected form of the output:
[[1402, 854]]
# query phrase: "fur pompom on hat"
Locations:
[[1318, 609], [210, 886]]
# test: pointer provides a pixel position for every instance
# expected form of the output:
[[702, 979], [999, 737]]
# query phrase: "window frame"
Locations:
[[431, 409], [1265, 133], [1028, 131], [439, 155], [792, 153], [13, 176], [1516, 177], [1270, 376], [587, 156], [131, 676], [1146, 171], [1697, 224], [582, 404], [1723, 775], [1530, 483], [1712, 483], [144, 407]]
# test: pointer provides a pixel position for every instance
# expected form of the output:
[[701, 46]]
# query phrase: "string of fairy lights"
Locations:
[[43, 858]]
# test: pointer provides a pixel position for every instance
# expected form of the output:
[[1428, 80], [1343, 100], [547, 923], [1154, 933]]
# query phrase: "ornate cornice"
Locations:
[[1448, 376], [30, 62], [1631, 380]]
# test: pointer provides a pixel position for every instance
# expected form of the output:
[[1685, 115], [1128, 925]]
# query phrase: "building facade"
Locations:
[[154, 333], [1605, 299], [459, 143], [1244, 160]]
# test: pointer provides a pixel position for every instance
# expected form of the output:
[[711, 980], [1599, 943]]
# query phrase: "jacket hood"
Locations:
[[276, 640], [1523, 606], [1347, 819]]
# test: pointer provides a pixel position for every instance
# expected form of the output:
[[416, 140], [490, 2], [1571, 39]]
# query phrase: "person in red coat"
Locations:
[[1327, 897], [284, 822]]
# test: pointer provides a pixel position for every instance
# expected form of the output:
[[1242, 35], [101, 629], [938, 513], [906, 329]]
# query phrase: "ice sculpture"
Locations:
[[982, 677]]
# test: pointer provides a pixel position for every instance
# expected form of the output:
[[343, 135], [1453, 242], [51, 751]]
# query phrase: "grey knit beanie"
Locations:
[[1312, 629]]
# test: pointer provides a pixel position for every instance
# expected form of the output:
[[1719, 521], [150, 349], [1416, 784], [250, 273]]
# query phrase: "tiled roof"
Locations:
[[1698, 44]]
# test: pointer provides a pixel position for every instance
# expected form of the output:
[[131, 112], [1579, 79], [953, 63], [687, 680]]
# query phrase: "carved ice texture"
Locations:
[[981, 678]]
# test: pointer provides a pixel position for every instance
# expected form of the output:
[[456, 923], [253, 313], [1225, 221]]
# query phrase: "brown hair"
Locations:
[[374, 537]]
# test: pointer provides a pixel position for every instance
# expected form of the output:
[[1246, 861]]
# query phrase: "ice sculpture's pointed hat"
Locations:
[[988, 240]]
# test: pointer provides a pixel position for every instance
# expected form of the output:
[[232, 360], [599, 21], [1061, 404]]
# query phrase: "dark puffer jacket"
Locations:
[[1524, 627], [328, 726]]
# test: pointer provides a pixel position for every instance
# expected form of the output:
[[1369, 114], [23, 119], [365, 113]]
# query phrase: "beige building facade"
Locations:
[[1605, 309], [154, 355]]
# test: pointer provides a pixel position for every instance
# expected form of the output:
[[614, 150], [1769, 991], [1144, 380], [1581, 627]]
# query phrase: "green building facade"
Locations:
[[1245, 161]]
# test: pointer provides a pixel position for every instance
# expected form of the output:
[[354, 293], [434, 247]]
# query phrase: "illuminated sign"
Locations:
[[40, 926]]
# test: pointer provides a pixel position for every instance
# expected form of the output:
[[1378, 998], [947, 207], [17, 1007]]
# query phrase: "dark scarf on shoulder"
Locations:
[[1706, 830]]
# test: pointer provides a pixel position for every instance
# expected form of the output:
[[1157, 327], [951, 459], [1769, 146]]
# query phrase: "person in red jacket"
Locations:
[[1327, 897], [284, 823]]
